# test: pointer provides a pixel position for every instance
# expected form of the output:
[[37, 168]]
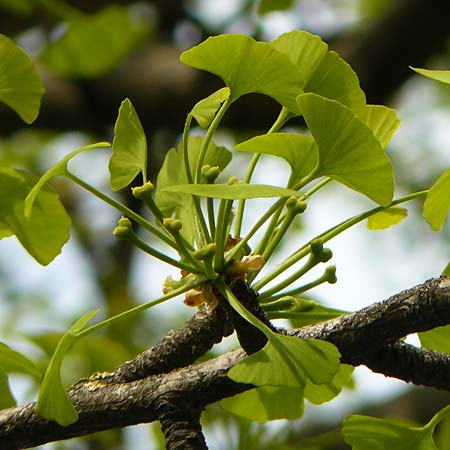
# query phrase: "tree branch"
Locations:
[[365, 337]]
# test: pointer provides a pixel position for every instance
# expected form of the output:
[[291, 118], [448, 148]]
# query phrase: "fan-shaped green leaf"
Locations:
[[437, 204], [323, 72], [381, 120], [7, 400], [45, 232], [205, 110], [387, 218], [348, 149], [267, 403], [247, 66], [94, 44], [369, 433], [13, 361], [238, 191], [438, 75], [53, 402], [437, 339], [58, 169], [20, 85], [129, 149], [298, 150]]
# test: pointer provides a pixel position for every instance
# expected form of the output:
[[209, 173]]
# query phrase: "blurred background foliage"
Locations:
[[91, 54]]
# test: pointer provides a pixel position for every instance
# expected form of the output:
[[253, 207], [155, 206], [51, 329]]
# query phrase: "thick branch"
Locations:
[[365, 337]]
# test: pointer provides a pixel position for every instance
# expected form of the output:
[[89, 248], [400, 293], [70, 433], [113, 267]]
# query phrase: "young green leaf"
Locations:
[[266, 403], [369, 433], [247, 66], [348, 149], [20, 85], [438, 75], [318, 394], [387, 218], [381, 120], [7, 399], [205, 110], [323, 72], [60, 168], [446, 271], [298, 150], [129, 149], [13, 361], [437, 339], [268, 6], [288, 361], [45, 232], [53, 402], [236, 191], [94, 44], [437, 203]]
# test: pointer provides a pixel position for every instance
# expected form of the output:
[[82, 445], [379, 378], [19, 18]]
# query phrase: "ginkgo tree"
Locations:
[[199, 212]]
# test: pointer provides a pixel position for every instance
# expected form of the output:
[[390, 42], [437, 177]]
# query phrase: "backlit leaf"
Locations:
[[236, 191], [348, 149], [205, 110], [267, 6], [437, 204], [438, 75], [266, 403], [369, 433], [247, 66], [381, 120], [94, 44], [387, 218], [13, 361], [7, 399], [298, 150], [53, 402], [20, 85], [129, 149], [323, 72], [45, 232], [437, 339]]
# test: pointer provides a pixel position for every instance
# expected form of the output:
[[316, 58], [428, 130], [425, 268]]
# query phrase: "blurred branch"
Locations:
[[369, 336]]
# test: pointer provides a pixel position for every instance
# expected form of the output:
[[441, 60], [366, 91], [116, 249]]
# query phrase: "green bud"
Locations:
[[300, 207], [326, 255], [330, 274], [206, 252], [172, 225], [291, 202], [210, 173], [140, 192], [123, 229], [233, 180], [317, 247]]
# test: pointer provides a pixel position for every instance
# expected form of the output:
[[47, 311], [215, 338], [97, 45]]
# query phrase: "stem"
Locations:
[[438, 417], [130, 312], [330, 234], [282, 118], [300, 289], [211, 222], [223, 217], [183, 251], [315, 188], [123, 209]]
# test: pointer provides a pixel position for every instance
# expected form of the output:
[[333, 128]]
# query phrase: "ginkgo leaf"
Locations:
[[46, 230], [60, 168], [53, 402], [381, 120], [267, 6], [94, 44], [438, 75], [7, 399], [369, 433], [238, 191], [386, 218], [298, 150], [205, 110], [437, 339], [348, 149], [323, 72], [13, 361], [129, 149], [437, 203], [266, 403], [322, 393], [247, 66], [20, 85]]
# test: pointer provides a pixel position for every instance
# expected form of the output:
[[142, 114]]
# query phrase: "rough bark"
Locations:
[[369, 336]]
